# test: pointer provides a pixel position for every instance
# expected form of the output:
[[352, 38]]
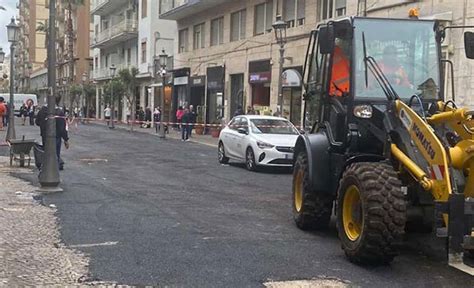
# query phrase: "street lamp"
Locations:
[[163, 63], [112, 100], [280, 34], [2, 55], [13, 33]]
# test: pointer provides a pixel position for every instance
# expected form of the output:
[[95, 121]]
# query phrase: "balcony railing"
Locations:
[[104, 7], [117, 32], [104, 73]]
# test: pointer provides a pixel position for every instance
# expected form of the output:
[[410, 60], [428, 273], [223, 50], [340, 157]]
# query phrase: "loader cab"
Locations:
[[343, 102]]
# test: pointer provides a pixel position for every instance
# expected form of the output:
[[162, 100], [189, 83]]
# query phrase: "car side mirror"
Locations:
[[326, 39], [242, 131], [469, 44]]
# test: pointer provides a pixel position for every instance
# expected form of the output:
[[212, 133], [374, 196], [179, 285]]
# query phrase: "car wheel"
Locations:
[[221, 154], [250, 160]]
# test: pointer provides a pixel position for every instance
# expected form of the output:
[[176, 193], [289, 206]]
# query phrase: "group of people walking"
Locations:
[[186, 118]]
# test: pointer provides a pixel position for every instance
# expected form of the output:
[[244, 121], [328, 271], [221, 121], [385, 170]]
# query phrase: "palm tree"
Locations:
[[129, 77]]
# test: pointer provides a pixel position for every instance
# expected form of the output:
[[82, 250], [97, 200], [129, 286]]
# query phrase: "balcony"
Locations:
[[106, 7], [185, 8], [123, 31], [104, 73]]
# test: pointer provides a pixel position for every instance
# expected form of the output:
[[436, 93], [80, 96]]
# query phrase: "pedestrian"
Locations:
[[184, 125], [3, 112], [192, 120], [61, 130], [239, 111], [148, 116], [61, 134], [141, 115], [107, 113], [23, 113], [7, 115], [156, 118], [250, 110], [179, 116], [31, 112]]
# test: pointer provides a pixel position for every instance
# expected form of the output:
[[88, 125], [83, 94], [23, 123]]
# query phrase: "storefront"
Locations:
[[180, 89], [292, 94], [236, 93], [215, 94], [198, 90], [260, 78]]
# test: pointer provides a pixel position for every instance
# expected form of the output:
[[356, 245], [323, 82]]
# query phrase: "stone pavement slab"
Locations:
[[31, 253]]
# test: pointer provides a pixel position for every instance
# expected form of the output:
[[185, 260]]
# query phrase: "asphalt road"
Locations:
[[150, 212]]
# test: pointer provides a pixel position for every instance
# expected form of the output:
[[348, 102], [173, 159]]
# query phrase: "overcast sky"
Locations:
[[5, 18]]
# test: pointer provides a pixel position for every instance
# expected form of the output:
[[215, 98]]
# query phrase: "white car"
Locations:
[[258, 141]]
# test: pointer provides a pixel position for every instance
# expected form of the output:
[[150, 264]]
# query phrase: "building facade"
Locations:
[[31, 50], [227, 55], [72, 50], [128, 33]]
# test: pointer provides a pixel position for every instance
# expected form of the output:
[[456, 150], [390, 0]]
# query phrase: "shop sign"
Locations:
[[291, 78], [181, 80], [198, 81], [260, 77]]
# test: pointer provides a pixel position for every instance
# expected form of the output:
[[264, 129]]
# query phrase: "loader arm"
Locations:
[[435, 178]]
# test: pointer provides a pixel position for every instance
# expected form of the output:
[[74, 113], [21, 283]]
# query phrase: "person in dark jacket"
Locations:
[[61, 130], [185, 120], [192, 120], [239, 111]]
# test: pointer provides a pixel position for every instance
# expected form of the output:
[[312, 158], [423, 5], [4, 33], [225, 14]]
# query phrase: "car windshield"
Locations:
[[272, 126], [405, 51]]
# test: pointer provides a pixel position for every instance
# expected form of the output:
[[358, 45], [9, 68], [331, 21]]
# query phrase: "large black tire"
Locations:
[[221, 154], [311, 209], [381, 209]]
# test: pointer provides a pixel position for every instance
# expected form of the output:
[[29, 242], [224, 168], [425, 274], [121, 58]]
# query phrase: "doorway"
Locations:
[[236, 93]]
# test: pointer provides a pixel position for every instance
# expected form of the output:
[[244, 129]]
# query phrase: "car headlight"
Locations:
[[263, 145]]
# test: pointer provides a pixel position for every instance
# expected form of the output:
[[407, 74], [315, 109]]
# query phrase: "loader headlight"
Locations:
[[263, 145], [363, 111]]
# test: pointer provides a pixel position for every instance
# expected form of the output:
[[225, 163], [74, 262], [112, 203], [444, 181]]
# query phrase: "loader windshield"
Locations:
[[406, 52]]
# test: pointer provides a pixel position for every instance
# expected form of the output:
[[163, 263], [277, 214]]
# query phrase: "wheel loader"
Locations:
[[386, 152]]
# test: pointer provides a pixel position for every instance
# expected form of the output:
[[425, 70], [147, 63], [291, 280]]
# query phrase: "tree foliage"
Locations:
[[113, 90]]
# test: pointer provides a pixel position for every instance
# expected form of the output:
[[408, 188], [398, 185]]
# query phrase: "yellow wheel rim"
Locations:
[[352, 213], [298, 190]]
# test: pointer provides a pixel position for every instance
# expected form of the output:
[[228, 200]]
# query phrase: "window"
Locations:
[[129, 56], [183, 40], [199, 36], [331, 8], [144, 52], [293, 11], [217, 31], [144, 8], [408, 58], [263, 18], [340, 8], [238, 25]]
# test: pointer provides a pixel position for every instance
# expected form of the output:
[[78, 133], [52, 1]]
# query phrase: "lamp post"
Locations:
[[13, 32], [163, 62], [2, 55], [49, 173], [112, 100], [280, 34]]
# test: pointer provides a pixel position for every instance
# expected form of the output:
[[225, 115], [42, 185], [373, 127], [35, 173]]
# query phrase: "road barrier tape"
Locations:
[[141, 122]]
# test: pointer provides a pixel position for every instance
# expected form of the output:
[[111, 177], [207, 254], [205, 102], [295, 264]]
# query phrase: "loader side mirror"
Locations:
[[469, 44], [326, 39]]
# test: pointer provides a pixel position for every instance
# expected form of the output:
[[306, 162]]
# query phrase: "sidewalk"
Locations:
[[173, 134], [31, 252]]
